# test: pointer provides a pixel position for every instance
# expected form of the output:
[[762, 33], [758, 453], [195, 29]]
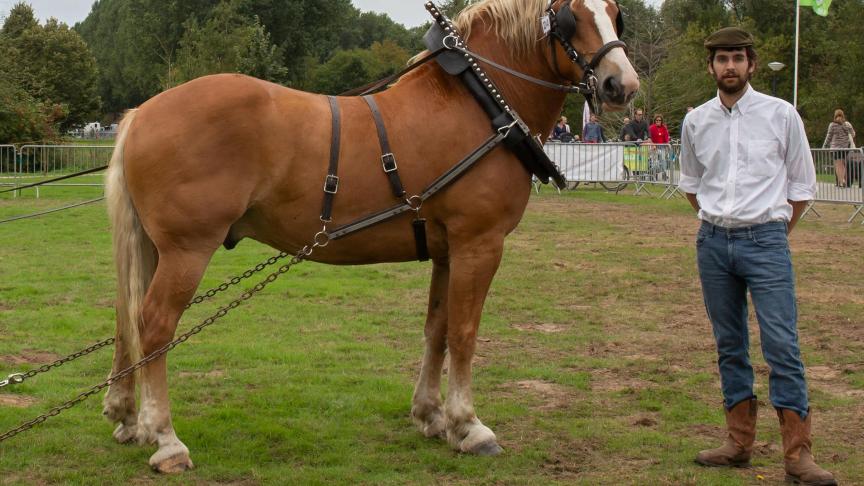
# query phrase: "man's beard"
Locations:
[[727, 86]]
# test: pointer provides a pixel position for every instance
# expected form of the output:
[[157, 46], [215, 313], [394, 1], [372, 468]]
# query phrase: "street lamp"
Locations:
[[775, 67]]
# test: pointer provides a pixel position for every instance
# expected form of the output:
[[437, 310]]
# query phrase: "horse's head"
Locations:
[[586, 48]]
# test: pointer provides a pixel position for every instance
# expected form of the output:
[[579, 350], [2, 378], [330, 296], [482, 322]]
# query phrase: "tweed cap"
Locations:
[[729, 37]]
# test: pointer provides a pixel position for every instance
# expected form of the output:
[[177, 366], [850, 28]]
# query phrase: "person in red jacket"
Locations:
[[659, 132], [659, 162]]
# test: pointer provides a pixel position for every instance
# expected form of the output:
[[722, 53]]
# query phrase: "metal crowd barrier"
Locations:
[[37, 162], [836, 166], [8, 166], [655, 170], [649, 167]]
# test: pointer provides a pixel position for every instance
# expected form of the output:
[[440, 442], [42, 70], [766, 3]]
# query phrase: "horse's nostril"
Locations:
[[613, 88]]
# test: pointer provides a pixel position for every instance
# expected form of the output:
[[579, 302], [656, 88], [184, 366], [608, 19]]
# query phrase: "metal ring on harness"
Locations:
[[415, 202], [321, 239], [453, 39]]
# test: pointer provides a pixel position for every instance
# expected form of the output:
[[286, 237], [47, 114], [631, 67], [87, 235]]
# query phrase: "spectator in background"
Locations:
[[561, 127], [660, 136], [592, 132], [624, 137], [637, 130], [658, 131], [840, 136]]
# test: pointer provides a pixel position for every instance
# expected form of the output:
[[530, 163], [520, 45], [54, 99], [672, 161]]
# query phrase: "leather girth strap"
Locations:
[[331, 182], [388, 160]]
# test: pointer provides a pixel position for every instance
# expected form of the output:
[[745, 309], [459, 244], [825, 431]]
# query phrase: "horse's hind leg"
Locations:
[[119, 402], [472, 265], [426, 409], [177, 276]]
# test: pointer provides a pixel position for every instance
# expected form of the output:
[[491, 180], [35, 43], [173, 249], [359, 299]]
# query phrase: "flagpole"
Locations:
[[797, 34]]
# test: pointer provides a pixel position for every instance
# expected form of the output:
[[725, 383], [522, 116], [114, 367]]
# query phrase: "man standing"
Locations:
[[636, 130], [592, 132], [746, 169]]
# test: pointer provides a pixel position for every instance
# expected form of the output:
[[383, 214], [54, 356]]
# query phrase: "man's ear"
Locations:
[[711, 68]]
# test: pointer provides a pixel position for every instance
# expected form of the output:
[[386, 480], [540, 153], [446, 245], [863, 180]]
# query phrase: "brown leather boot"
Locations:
[[797, 458], [741, 423]]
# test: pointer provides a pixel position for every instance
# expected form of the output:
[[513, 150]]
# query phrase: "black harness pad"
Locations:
[[452, 62]]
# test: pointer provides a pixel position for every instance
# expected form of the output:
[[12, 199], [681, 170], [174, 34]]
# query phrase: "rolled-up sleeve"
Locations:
[[801, 174], [691, 169]]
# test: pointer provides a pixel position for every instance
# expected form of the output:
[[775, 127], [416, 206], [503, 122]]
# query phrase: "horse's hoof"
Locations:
[[488, 448], [125, 434], [177, 463]]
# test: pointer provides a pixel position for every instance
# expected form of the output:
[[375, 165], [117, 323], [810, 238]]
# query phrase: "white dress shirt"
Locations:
[[745, 164]]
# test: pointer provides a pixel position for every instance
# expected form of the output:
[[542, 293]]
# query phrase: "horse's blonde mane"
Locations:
[[517, 22]]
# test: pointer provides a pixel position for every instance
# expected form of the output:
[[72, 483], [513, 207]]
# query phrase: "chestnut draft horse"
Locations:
[[227, 157]]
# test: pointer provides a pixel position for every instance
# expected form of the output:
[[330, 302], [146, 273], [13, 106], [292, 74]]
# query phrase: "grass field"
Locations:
[[595, 365]]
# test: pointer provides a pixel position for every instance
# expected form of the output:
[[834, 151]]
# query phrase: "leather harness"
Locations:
[[452, 54]]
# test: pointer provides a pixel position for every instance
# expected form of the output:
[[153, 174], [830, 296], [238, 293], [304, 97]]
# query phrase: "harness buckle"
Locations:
[[505, 130], [388, 161], [331, 184]]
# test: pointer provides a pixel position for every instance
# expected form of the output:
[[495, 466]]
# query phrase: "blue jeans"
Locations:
[[755, 258]]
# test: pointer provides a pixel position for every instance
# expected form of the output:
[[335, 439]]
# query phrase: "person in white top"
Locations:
[[746, 169]]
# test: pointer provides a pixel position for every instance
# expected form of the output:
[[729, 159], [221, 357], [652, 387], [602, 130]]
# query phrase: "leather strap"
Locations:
[[331, 182], [388, 160], [438, 184]]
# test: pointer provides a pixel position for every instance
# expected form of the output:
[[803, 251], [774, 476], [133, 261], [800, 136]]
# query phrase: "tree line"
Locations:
[[53, 77]]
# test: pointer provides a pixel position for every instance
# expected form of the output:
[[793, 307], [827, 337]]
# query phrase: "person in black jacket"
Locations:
[[637, 129]]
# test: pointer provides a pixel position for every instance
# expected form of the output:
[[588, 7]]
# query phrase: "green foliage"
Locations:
[[47, 78], [19, 20], [349, 69], [227, 42], [143, 46]]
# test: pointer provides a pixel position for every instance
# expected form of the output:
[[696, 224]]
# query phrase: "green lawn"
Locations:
[[595, 363]]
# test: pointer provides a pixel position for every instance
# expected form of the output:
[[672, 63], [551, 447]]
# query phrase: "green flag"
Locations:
[[819, 6]]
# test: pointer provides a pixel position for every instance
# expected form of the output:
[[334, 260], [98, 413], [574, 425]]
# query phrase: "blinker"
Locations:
[[565, 22]]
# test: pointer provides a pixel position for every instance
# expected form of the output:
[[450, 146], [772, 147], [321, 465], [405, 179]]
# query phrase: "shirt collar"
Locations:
[[743, 103]]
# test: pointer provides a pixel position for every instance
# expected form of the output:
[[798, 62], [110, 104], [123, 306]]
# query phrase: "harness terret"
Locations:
[[452, 54]]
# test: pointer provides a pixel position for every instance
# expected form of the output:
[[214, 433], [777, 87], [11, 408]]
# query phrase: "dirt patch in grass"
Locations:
[[829, 379], [551, 395], [541, 328], [30, 356], [606, 380], [16, 401]]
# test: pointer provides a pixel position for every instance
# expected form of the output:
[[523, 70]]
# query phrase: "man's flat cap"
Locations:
[[729, 37]]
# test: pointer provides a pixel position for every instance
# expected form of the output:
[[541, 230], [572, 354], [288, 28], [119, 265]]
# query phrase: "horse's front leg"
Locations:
[[426, 409], [472, 265]]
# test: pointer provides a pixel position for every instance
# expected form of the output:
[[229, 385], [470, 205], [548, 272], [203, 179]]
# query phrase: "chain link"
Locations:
[[297, 258], [18, 378]]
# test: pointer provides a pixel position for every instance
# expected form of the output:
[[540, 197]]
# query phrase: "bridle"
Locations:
[[562, 27]]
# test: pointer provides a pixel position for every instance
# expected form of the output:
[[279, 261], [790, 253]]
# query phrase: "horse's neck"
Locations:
[[539, 107]]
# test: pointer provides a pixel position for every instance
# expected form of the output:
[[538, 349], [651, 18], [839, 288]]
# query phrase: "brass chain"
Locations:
[[297, 258], [18, 378]]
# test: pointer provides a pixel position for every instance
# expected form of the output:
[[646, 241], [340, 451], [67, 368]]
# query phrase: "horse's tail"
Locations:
[[134, 252]]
